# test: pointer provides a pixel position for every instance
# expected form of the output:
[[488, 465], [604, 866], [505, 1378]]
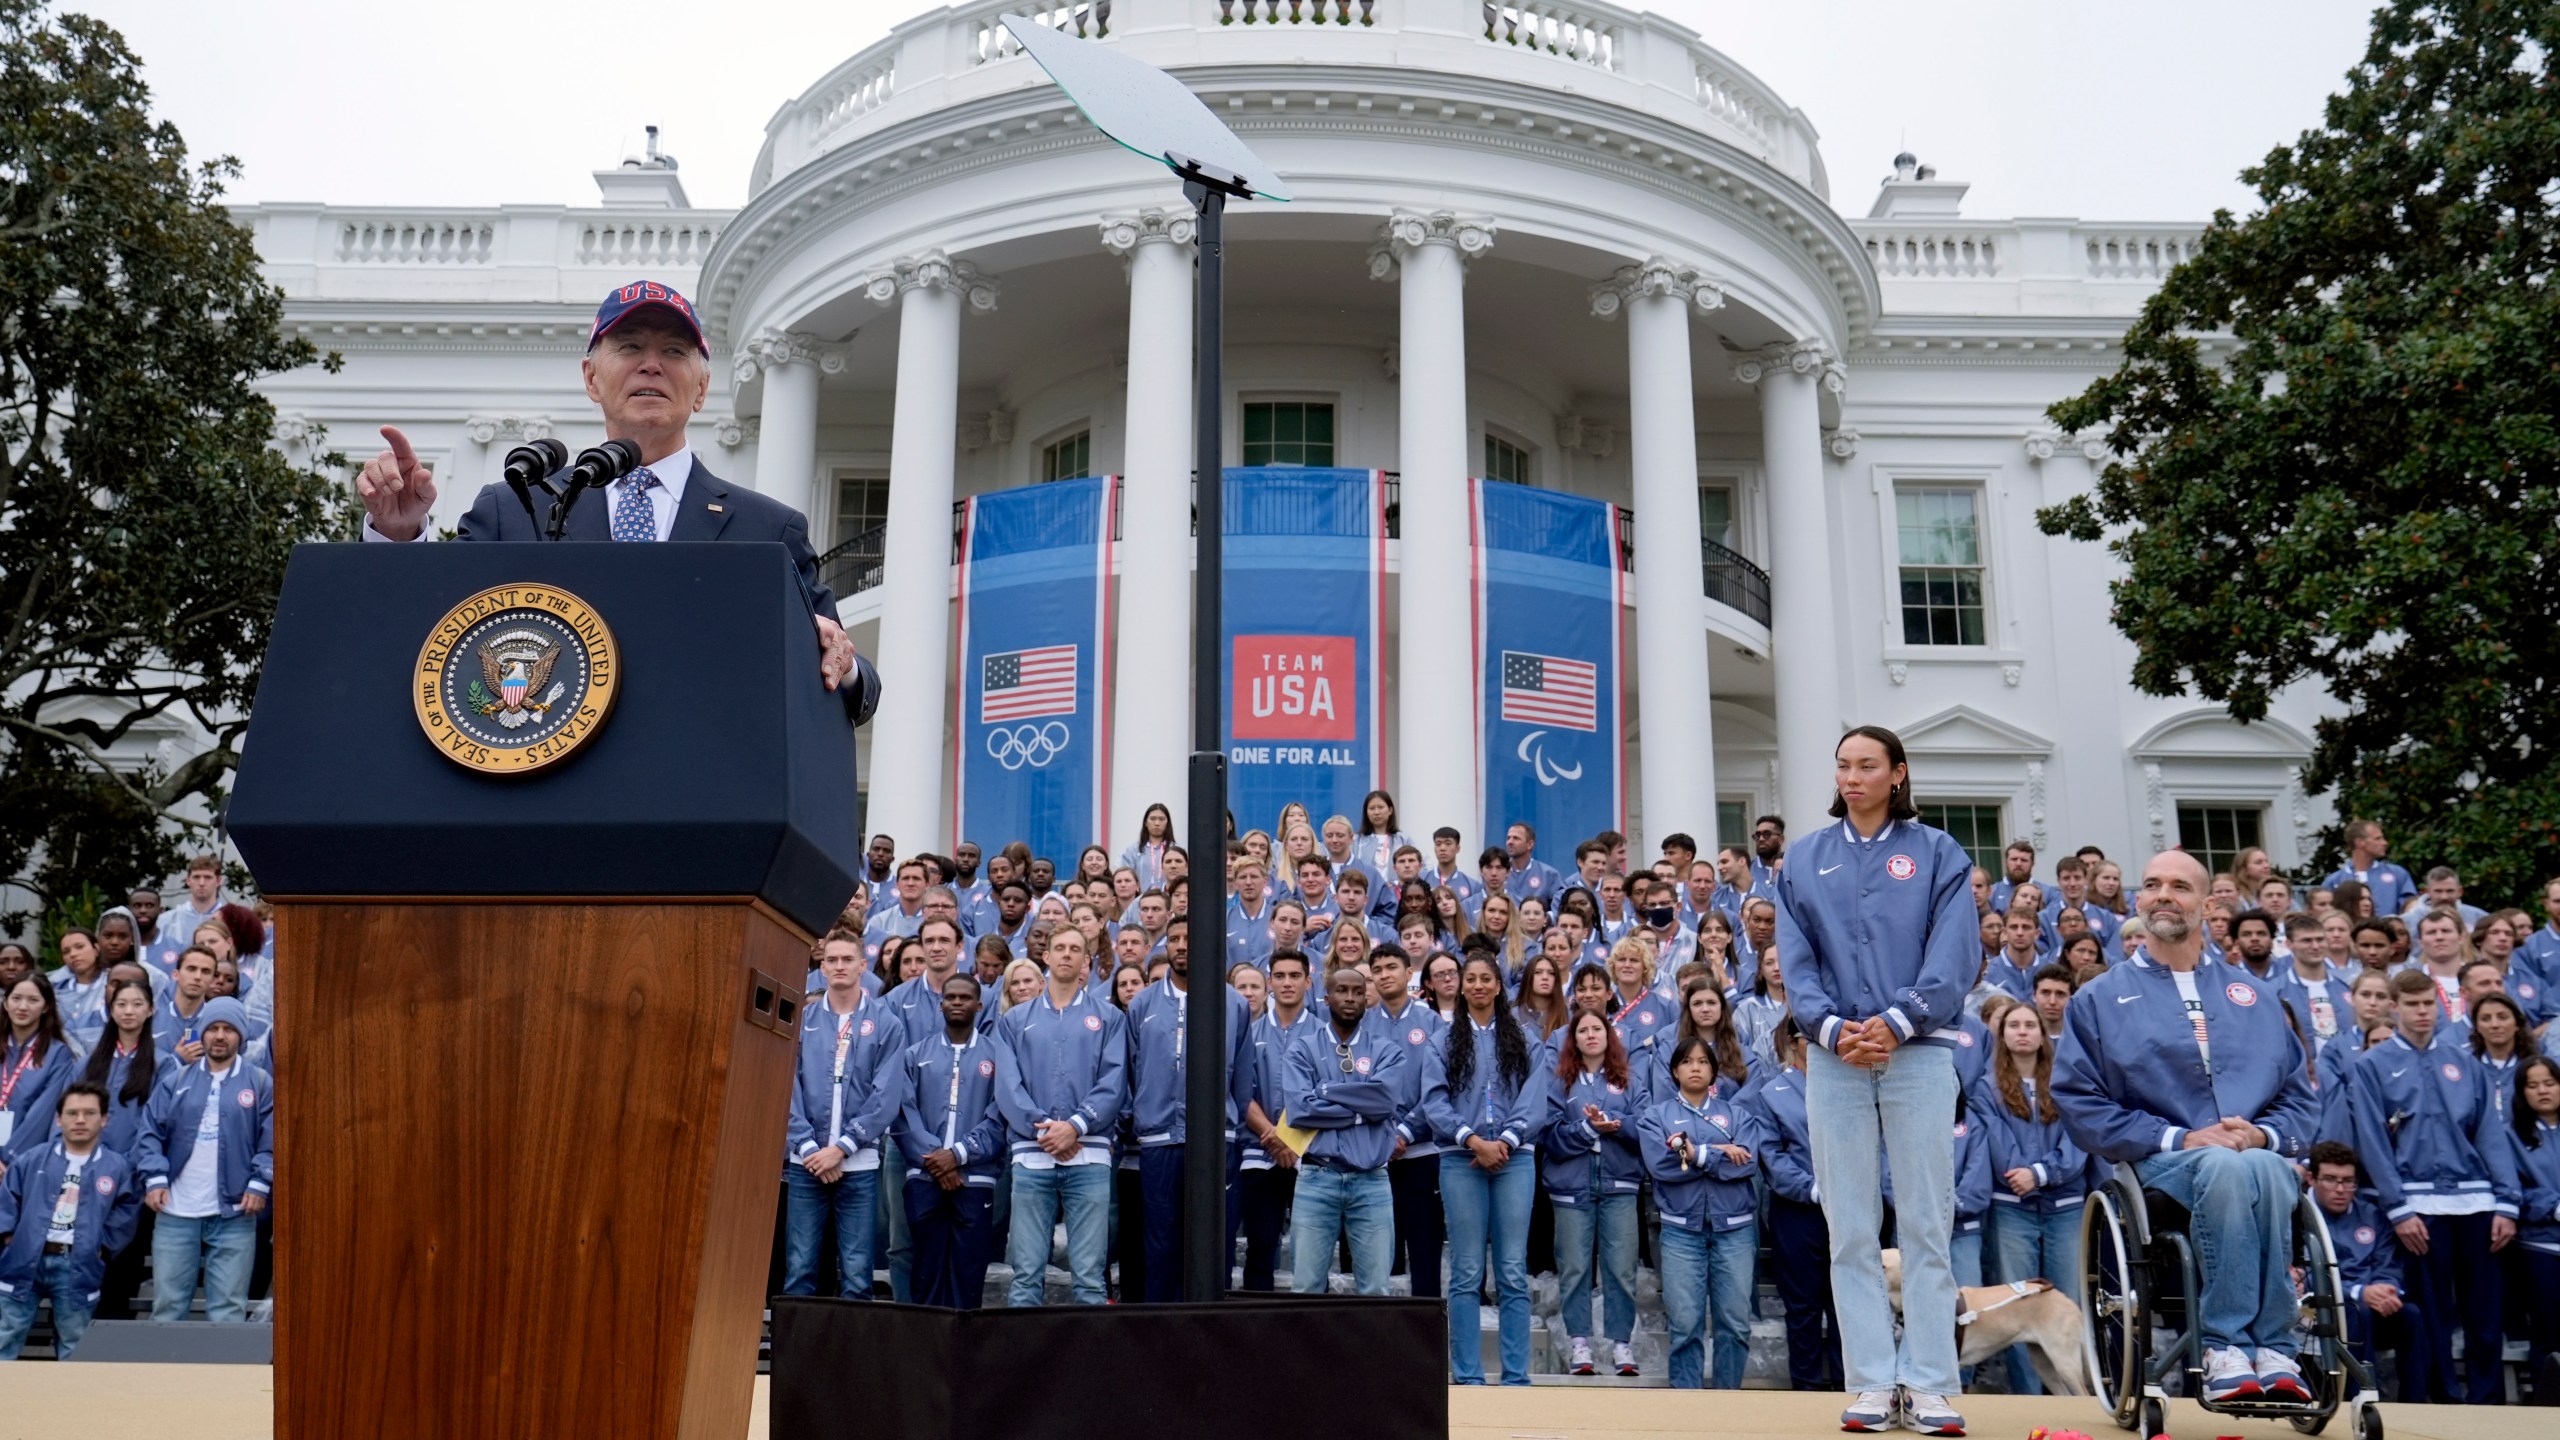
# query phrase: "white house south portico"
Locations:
[[1568, 246]]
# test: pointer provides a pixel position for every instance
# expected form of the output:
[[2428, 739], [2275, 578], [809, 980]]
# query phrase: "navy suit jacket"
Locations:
[[713, 509]]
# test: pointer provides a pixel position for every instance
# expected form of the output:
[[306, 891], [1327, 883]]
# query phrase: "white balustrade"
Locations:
[[850, 97], [646, 243], [2137, 255], [1742, 105], [415, 240], [1936, 254], [1571, 32], [1297, 12], [990, 41]]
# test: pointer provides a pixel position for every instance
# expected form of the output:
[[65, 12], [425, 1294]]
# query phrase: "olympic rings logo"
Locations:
[[1032, 745]]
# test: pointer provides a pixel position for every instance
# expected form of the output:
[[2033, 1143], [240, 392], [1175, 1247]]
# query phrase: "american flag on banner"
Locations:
[[1549, 690], [1021, 684]]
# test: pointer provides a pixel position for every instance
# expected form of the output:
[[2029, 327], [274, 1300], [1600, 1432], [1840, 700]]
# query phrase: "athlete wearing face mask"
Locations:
[[1657, 904]]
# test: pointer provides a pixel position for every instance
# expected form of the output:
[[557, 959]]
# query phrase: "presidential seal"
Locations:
[[515, 678]]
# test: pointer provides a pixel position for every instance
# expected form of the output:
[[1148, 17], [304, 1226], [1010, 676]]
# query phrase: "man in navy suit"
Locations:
[[648, 368]]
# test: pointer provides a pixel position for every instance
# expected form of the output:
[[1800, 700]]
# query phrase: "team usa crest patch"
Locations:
[[2239, 994], [106, 1185], [515, 678], [2452, 1073], [1093, 1022], [986, 1069], [1901, 867]]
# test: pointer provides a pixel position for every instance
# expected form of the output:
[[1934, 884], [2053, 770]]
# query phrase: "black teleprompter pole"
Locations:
[[1205, 1229]]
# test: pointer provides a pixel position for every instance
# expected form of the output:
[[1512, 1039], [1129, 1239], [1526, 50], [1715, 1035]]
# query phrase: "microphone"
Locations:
[[531, 465], [602, 465], [528, 463]]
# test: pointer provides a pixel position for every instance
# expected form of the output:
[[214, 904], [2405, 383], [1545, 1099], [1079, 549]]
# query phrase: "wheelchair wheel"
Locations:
[[2324, 1358], [2113, 1316], [2368, 1422], [2155, 1420]]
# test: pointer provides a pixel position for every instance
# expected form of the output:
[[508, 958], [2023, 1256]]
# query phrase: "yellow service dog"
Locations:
[[2031, 1313]]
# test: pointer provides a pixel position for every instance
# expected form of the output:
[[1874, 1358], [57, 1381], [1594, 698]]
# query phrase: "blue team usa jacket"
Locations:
[[1576, 1162], [1345, 1094], [2427, 1128], [1711, 1192], [2031, 1143], [859, 1099], [947, 1098], [106, 1212], [1786, 1134], [1068, 1063], [1157, 1065], [2367, 1253], [2538, 1172], [2131, 1082], [248, 1159], [1881, 927], [38, 1084], [1513, 1113]]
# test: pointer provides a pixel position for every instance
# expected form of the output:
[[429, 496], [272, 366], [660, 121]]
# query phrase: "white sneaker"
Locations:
[[2229, 1375], [1578, 1357], [2280, 1379], [1930, 1414], [1623, 1355], [1871, 1410]]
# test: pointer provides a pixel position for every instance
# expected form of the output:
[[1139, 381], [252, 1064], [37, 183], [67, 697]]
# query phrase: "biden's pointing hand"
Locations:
[[397, 488]]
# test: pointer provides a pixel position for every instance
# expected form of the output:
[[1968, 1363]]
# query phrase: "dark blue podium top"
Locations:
[[724, 768]]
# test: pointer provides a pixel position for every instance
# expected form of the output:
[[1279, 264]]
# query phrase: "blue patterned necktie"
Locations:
[[634, 518]]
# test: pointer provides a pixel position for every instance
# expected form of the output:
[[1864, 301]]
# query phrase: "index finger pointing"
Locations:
[[399, 444]]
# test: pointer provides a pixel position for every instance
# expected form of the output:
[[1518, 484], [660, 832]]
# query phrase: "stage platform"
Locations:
[[235, 1402]]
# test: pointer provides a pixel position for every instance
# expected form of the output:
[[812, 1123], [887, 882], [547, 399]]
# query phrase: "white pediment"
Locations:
[[1963, 730], [2209, 733]]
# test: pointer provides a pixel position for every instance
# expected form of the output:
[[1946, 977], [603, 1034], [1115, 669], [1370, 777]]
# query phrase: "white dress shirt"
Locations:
[[672, 474]]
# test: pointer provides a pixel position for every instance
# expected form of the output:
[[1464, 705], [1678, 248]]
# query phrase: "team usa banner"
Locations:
[[1549, 661], [1032, 696], [1306, 569]]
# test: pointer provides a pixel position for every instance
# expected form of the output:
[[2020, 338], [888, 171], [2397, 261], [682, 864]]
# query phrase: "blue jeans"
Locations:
[[808, 1204], [1901, 1113], [1693, 1267], [2030, 1246], [71, 1309], [1611, 1221], [1079, 1194], [1488, 1207], [893, 1238], [2242, 1202], [220, 1248], [1356, 1204]]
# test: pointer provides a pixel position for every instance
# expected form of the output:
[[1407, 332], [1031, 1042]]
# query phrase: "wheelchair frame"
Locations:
[[2140, 1280]]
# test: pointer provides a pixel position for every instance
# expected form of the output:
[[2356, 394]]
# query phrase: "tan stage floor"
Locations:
[[41, 1401]]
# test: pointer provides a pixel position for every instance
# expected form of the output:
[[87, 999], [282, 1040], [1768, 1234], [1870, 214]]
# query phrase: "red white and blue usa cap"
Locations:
[[641, 295]]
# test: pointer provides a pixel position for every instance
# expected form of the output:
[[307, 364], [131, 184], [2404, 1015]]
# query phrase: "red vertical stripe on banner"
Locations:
[[1104, 676], [960, 670], [1618, 663], [1378, 629], [1475, 634]]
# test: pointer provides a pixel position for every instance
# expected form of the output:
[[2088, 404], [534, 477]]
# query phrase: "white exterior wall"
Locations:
[[1951, 334]]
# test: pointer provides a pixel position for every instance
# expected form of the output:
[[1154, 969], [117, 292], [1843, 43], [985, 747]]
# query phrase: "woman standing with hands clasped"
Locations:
[[1878, 942], [1486, 1093]]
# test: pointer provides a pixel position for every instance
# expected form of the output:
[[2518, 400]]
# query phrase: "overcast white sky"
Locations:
[[2049, 107]]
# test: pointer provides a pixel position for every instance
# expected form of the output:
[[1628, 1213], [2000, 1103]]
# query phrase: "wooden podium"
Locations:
[[535, 1032]]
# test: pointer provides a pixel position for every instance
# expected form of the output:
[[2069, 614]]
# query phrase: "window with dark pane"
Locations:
[[1069, 459], [1505, 461], [1974, 823], [1940, 543], [862, 503], [2216, 834], [1733, 823], [1288, 432]]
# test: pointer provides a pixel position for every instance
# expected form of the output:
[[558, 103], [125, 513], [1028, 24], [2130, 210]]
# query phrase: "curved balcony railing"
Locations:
[[1732, 579]]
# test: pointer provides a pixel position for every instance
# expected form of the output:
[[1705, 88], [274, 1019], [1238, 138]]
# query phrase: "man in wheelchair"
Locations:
[[2185, 1069]]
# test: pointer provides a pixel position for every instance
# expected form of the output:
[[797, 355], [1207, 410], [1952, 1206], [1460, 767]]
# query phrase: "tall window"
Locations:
[[862, 501], [1715, 515], [1069, 459], [1505, 461], [2216, 834], [1974, 823], [1288, 432], [1733, 825], [1941, 548]]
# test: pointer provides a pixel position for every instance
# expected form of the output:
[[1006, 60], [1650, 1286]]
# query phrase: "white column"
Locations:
[[2089, 658], [1804, 627], [1150, 706], [1678, 773], [907, 735], [787, 447], [1428, 254]]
